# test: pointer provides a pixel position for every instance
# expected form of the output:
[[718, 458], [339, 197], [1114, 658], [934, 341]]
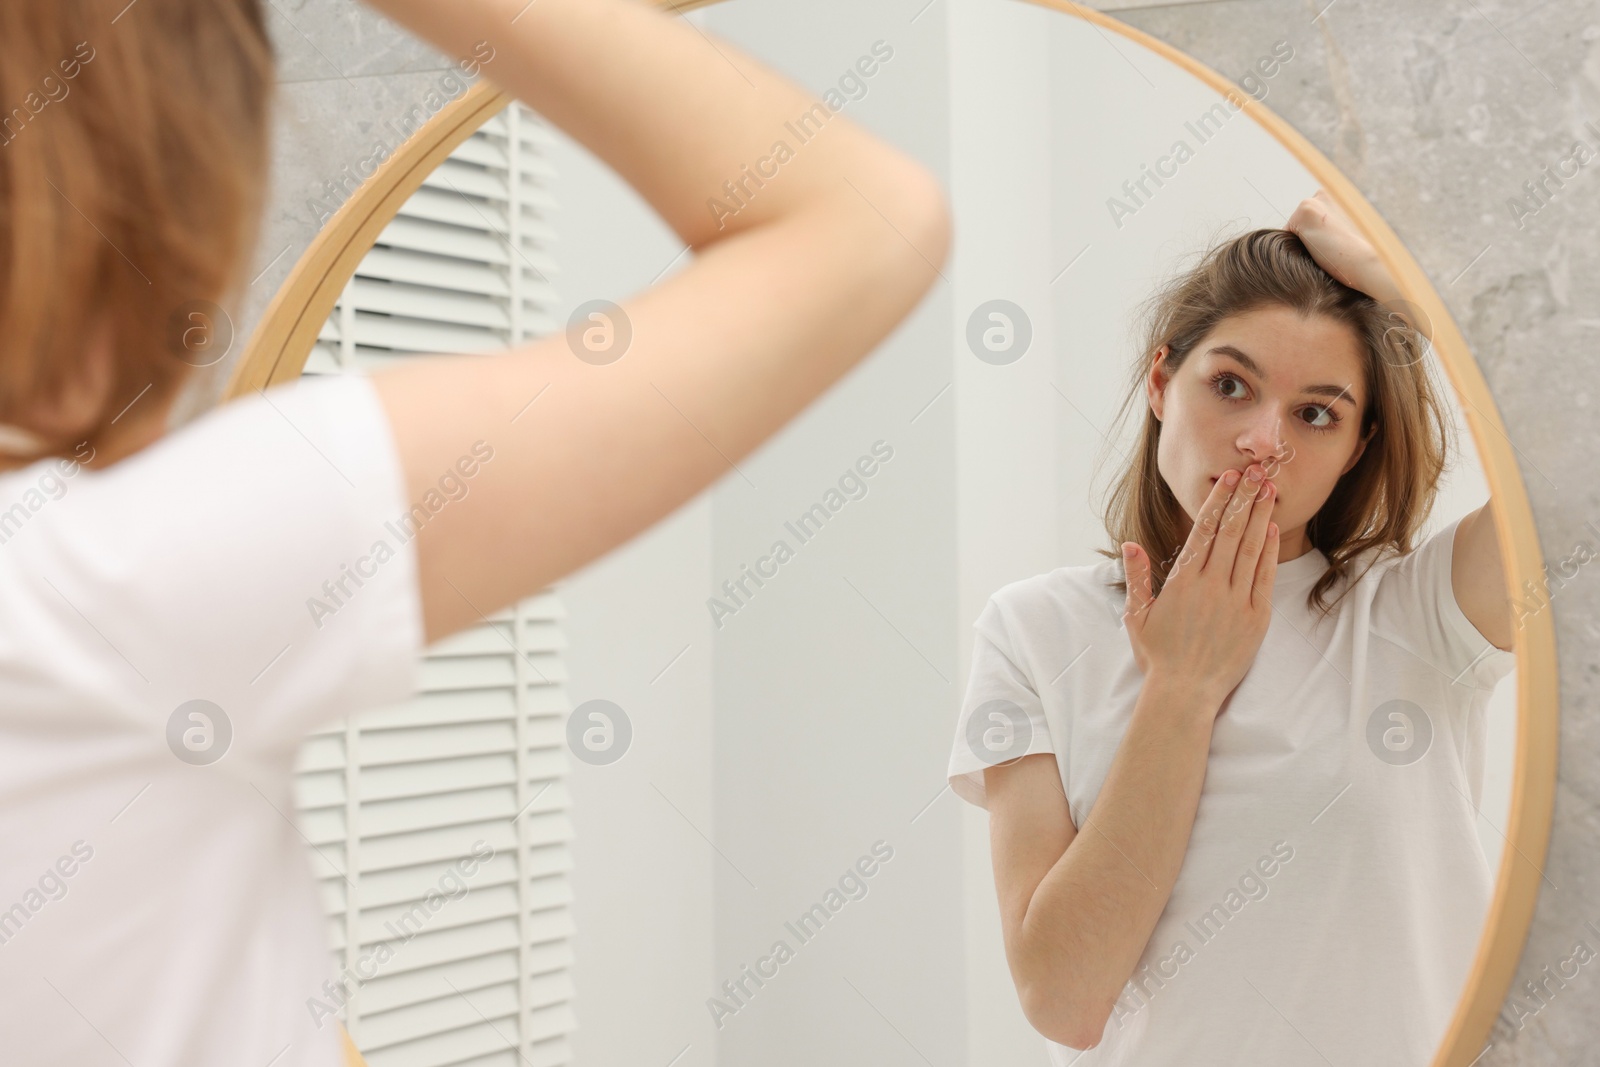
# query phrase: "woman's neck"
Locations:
[[1292, 544]]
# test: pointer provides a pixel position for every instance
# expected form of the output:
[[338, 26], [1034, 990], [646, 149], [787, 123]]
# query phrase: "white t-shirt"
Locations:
[[158, 910], [1334, 887]]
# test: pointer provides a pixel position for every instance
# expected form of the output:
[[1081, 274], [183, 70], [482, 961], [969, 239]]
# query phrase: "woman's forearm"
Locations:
[[1092, 915], [677, 113]]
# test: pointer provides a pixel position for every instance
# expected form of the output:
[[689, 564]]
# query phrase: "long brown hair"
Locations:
[[1383, 500], [134, 142]]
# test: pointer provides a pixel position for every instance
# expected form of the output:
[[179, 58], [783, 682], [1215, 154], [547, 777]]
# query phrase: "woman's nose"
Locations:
[[1264, 442]]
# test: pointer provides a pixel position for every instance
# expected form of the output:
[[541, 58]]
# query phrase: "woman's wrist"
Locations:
[[1186, 695]]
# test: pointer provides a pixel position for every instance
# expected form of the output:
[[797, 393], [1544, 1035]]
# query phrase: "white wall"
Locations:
[[834, 685], [1009, 460], [813, 723], [637, 633]]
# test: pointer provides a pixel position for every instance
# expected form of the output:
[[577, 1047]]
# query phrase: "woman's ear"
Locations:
[[1361, 446], [1155, 383]]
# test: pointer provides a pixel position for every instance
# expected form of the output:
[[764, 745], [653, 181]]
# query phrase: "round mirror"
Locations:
[[741, 731]]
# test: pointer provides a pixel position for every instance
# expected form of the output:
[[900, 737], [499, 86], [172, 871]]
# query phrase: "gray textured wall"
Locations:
[[1439, 112]]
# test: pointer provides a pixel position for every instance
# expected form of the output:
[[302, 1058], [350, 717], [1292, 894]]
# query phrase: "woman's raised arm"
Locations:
[[783, 297]]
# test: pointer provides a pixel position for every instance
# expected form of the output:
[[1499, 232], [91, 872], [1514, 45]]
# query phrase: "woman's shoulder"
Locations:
[[1413, 604], [1078, 595], [1386, 565]]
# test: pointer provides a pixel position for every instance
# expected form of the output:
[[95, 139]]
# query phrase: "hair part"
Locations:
[[134, 148], [1383, 500]]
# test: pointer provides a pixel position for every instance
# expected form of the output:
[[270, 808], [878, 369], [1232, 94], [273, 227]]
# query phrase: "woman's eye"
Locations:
[[1220, 385], [1322, 418]]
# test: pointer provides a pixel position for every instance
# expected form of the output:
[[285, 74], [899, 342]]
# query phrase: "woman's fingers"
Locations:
[[1253, 539], [1266, 569], [1136, 570], [1333, 207], [1234, 517], [1197, 548]]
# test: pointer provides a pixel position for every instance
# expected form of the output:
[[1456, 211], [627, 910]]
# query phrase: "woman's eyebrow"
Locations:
[[1337, 392]]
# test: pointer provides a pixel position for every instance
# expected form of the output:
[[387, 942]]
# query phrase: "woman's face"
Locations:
[[1267, 386]]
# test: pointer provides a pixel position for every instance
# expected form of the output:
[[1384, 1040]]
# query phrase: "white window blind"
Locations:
[[459, 792]]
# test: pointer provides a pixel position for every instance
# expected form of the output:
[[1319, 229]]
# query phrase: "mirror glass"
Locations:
[[710, 769]]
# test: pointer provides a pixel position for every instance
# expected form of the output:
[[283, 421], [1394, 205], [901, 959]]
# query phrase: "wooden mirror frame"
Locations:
[[282, 342]]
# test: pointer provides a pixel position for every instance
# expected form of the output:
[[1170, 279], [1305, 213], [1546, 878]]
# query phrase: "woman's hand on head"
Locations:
[[1209, 621], [1341, 249], [1339, 246]]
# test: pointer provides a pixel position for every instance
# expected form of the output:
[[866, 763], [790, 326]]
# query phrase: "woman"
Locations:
[[1232, 782], [156, 905]]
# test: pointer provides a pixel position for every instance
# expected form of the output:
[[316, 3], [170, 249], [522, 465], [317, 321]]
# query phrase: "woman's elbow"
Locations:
[[935, 225], [1062, 1019]]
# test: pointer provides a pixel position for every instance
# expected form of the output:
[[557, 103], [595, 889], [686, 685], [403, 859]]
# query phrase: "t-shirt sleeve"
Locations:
[[258, 559], [1416, 606], [1002, 718]]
